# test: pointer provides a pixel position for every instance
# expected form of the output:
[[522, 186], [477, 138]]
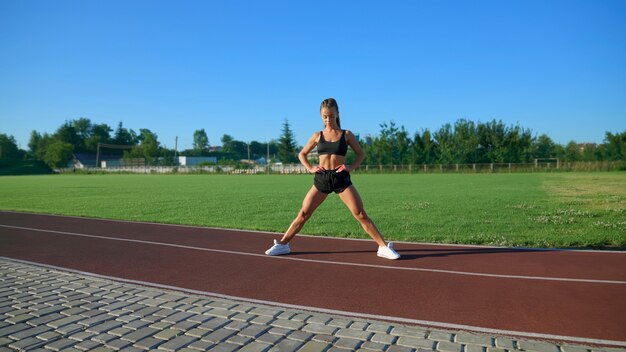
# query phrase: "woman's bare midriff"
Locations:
[[331, 161]]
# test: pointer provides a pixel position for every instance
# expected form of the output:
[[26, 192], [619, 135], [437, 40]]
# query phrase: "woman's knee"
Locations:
[[360, 215], [303, 215]]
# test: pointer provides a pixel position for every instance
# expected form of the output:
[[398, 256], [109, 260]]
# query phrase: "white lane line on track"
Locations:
[[338, 312], [318, 237], [467, 273]]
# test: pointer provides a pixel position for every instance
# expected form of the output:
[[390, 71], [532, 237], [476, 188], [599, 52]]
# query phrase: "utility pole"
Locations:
[[176, 150], [268, 158]]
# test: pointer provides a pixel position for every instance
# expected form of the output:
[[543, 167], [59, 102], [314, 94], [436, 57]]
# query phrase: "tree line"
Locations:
[[82, 136], [467, 142], [464, 142]]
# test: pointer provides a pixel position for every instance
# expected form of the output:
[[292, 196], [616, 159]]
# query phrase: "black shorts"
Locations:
[[331, 181]]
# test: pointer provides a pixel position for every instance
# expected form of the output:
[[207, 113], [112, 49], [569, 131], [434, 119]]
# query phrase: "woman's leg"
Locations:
[[353, 201], [311, 201]]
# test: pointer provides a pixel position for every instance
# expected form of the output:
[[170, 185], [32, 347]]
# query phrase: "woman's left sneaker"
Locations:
[[387, 252], [278, 249]]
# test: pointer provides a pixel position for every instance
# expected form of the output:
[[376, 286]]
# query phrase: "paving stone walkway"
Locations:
[[53, 310]]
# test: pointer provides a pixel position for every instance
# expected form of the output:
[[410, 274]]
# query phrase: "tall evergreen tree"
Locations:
[[287, 145]]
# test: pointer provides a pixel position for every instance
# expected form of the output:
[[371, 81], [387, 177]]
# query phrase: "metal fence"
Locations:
[[366, 169]]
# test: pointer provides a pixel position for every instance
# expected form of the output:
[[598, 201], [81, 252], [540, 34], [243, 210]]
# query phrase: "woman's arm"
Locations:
[[354, 144], [306, 150]]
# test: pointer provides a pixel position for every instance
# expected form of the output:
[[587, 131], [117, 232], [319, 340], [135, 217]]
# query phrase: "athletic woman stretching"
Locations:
[[332, 175]]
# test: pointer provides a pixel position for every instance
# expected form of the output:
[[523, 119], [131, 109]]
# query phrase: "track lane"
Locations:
[[557, 308]]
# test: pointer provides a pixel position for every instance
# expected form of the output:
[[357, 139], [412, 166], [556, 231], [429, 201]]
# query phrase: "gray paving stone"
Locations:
[[197, 332], [320, 329], [315, 346], [287, 345], [324, 338], [270, 338], [383, 338], [319, 319], [536, 346], [379, 328], [149, 343], [140, 334], [177, 343], [255, 347], [441, 336], [81, 336], [200, 318], [415, 342], [340, 322], [219, 335], [569, 348], [61, 344], [253, 331], [6, 331], [200, 345], [354, 334], [184, 325], [213, 324], [136, 324], [20, 318], [221, 313], [287, 324], [359, 325], [64, 321], [239, 340], [447, 346], [96, 319], [473, 339], [117, 344], [347, 343], [505, 343], [373, 346], [70, 329], [300, 336], [474, 348], [270, 312], [399, 349], [177, 317], [199, 309], [409, 331], [167, 334], [262, 320], [106, 326], [243, 317], [224, 347], [103, 338], [32, 332]]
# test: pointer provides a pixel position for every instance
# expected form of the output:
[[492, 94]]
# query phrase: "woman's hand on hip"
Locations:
[[343, 167], [317, 169]]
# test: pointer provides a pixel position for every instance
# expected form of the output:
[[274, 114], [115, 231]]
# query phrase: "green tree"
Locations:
[[8, 147], [200, 140], [544, 147], [58, 153], [124, 136], [287, 145], [227, 141], [98, 133], [572, 152], [615, 146]]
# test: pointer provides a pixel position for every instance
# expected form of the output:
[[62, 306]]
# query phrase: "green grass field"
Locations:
[[534, 210]]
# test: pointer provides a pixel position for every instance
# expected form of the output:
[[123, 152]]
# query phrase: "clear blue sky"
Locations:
[[242, 67]]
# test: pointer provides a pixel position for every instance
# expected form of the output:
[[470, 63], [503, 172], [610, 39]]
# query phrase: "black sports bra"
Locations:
[[339, 147]]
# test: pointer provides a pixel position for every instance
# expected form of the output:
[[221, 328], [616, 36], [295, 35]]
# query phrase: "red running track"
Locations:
[[578, 296]]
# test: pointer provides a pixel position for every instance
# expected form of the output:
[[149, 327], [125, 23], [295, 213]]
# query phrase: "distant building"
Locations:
[[195, 160], [85, 160]]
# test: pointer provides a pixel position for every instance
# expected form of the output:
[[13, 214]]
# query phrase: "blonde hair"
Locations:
[[329, 104]]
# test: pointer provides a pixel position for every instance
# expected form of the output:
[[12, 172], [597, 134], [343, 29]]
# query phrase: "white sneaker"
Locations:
[[278, 249], [387, 252]]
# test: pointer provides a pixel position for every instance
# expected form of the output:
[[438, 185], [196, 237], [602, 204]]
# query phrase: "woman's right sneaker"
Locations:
[[278, 249], [387, 252]]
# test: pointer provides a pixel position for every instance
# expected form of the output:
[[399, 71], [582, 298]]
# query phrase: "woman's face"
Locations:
[[329, 116]]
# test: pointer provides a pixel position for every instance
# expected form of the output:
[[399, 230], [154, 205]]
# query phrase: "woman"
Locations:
[[332, 175]]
